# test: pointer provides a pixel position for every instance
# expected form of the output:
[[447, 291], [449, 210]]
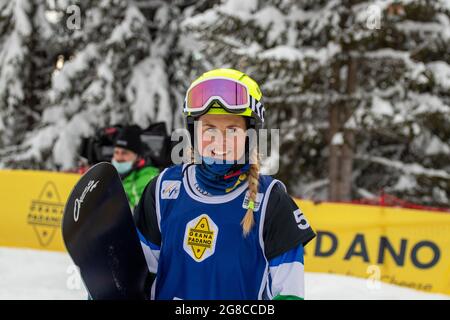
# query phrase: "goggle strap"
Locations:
[[257, 107]]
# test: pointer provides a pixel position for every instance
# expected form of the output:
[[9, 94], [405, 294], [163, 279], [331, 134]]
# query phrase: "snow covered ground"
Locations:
[[32, 274]]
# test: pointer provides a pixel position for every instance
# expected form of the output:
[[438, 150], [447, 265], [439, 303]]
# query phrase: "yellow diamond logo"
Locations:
[[45, 213], [200, 238]]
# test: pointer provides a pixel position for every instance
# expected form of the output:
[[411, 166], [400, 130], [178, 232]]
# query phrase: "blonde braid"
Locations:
[[253, 183], [192, 155]]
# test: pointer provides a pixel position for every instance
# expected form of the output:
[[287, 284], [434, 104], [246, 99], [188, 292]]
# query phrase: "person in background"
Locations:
[[134, 170]]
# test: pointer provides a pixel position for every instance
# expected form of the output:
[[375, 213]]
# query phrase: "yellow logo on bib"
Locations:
[[200, 238]]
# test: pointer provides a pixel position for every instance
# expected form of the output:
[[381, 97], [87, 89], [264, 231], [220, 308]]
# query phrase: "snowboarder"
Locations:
[[134, 170], [220, 229]]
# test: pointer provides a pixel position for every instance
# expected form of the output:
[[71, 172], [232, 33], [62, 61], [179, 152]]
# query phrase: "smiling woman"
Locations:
[[221, 146], [229, 218], [222, 137]]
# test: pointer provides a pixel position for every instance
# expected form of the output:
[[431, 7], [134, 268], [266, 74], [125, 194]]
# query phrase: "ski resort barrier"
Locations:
[[399, 246], [405, 247], [32, 208]]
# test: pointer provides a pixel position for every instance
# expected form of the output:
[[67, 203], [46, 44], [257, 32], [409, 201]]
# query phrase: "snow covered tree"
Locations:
[[24, 69], [358, 87], [15, 67], [173, 56], [93, 65], [402, 113], [117, 62]]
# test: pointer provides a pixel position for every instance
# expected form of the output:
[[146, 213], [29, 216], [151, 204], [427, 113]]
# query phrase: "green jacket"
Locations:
[[136, 181]]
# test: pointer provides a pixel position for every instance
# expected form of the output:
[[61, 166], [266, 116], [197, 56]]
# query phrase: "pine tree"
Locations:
[[124, 63], [15, 68], [93, 64], [403, 125], [173, 62]]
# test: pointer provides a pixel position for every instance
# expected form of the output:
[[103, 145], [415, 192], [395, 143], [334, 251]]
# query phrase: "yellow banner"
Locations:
[[32, 204], [398, 246], [404, 247]]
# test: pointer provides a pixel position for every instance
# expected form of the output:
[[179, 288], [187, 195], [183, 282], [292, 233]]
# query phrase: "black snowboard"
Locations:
[[100, 236]]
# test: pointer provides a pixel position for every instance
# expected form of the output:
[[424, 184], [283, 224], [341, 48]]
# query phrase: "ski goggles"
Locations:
[[232, 95]]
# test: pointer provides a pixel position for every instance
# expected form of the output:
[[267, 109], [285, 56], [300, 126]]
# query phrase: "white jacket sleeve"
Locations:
[[286, 275]]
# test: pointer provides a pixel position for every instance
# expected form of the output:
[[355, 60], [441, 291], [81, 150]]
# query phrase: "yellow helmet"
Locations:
[[255, 108]]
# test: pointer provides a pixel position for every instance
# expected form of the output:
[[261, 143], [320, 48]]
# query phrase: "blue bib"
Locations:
[[204, 254]]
